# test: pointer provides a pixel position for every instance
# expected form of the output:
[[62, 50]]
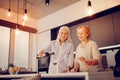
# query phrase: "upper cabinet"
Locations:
[[105, 30], [102, 31], [116, 24]]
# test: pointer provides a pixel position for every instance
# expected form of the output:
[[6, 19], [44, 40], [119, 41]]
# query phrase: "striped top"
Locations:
[[63, 55]]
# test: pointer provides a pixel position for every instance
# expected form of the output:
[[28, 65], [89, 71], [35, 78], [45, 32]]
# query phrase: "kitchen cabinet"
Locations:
[[116, 23], [102, 31]]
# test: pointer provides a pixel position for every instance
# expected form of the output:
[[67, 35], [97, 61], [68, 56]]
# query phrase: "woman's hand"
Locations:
[[66, 70], [74, 70], [82, 59], [42, 54], [89, 63]]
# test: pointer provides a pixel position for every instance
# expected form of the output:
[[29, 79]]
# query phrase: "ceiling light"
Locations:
[[47, 2], [17, 30], [17, 25], [25, 15], [89, 8], [25, 11], [9, 10], [23, 23]]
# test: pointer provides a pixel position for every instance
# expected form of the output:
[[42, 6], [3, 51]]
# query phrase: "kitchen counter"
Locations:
[[103, 75], [15, 76], [63, 76]]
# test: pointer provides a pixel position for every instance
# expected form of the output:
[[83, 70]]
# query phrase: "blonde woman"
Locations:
[[87, 56], [62, 47]]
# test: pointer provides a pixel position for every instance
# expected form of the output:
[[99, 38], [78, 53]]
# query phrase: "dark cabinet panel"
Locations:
[[102, 31], [116, 23]]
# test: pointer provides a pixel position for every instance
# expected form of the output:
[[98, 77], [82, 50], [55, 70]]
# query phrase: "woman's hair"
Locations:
[[68, 30], [86, 29]]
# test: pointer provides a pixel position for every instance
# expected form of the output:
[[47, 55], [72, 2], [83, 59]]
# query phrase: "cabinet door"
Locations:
[[116, 23], [102, 31]]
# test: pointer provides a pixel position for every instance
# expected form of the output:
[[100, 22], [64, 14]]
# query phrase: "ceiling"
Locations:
[[36, 8]]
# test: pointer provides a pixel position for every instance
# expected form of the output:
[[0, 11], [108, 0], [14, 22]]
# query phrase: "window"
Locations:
[[4, 46], [21, 50]]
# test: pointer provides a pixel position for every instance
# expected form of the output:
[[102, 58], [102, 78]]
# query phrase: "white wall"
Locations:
[[43, 39], [33, 51]]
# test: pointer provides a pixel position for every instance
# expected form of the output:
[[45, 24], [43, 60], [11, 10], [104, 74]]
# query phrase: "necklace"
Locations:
[[83, 44]]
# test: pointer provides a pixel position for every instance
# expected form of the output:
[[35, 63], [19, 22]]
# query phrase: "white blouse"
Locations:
[[89, 51], [63, 56]]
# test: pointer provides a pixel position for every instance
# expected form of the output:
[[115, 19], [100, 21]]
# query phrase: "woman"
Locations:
[[62, 47], [87, 56]]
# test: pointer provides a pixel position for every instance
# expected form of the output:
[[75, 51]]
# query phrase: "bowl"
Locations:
[[13, 70]]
